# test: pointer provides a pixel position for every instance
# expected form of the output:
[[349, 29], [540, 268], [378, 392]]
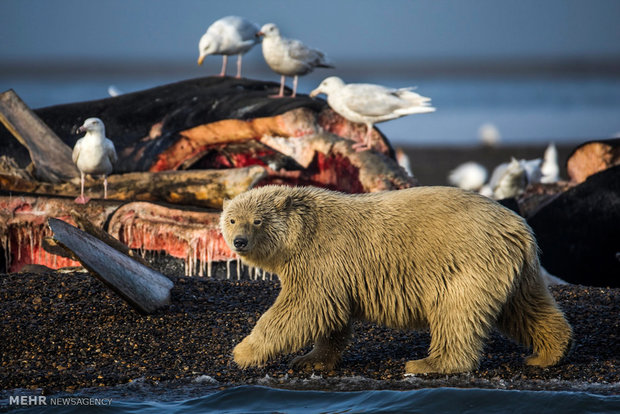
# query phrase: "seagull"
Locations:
[[489, 135], [532, 170], [231, 35], [289, 57], [370, 104], [113, 91], [550, 169], [468, 176], [403, 160], [508, 180], [93, 154]]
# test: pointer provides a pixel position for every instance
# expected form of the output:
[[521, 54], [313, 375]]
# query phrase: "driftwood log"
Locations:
[[85, 225], [142, 287], [206, 188], [50, 156]]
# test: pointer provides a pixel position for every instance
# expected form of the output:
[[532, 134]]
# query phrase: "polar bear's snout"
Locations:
[[240, 243]]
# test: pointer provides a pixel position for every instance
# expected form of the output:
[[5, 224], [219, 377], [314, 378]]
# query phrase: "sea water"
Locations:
[[524, 109], [259, 399]]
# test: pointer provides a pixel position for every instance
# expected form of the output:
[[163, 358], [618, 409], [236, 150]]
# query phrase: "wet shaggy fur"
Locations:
[[428, 257]]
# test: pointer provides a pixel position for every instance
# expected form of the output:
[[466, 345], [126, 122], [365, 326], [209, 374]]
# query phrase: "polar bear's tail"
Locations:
[[532, 318]]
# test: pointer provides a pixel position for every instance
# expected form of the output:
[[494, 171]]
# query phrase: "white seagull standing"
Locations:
[[93, 154], [289, 57], [370, 104], [468, 176], [550, 169], [231, 35]]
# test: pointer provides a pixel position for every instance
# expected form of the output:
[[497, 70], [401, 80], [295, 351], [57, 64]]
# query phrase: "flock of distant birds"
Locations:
[[509, 179], [365, 103]]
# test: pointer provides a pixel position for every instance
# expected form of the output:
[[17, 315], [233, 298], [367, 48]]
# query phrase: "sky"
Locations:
[[150, 30]]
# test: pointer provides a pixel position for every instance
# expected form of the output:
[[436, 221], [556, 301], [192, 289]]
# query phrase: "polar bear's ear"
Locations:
[[225, 202], [283, 203]]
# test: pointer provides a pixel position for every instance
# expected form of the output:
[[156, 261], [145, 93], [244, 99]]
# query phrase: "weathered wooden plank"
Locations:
[[49, 154], [86, 225], [142, 287]]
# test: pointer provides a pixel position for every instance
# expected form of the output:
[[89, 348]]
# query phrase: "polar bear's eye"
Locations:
[[232, 221], [257, 222]]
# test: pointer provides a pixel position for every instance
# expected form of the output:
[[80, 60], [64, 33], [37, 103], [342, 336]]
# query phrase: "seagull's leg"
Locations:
[[239, 56], [282, 80], [105, 186], [81, 199], [281, 94], [224, 62], [294, 86], [362, 146], [368, 135], [81, 184]]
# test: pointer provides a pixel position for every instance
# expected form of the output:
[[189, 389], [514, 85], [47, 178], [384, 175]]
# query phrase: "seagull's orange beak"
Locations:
[[81, 129], [200, 59], [259, 34]]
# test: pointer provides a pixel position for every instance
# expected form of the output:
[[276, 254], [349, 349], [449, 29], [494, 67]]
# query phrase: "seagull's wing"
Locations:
[[76, 150], [299, 51], [248, 31], [371, 100]]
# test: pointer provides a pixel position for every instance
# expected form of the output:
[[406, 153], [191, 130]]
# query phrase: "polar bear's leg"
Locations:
[[326, 352], [532, 318], [283, 329], [457, 339]]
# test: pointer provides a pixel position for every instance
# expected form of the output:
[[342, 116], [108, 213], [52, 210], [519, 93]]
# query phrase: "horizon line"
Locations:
[[410, 67]]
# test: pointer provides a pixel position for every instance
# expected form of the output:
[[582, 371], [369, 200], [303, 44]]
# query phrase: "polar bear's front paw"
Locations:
[[419, 366], [320, 361], [245, 354]]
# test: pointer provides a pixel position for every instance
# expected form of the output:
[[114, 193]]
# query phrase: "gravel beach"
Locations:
[[65, 331]]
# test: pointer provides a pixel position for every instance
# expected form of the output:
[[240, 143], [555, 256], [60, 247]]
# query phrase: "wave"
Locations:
[[260, 399]]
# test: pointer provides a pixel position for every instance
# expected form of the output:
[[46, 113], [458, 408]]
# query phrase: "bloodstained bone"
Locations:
[[191, 235], [23, 226], [337, 125]]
